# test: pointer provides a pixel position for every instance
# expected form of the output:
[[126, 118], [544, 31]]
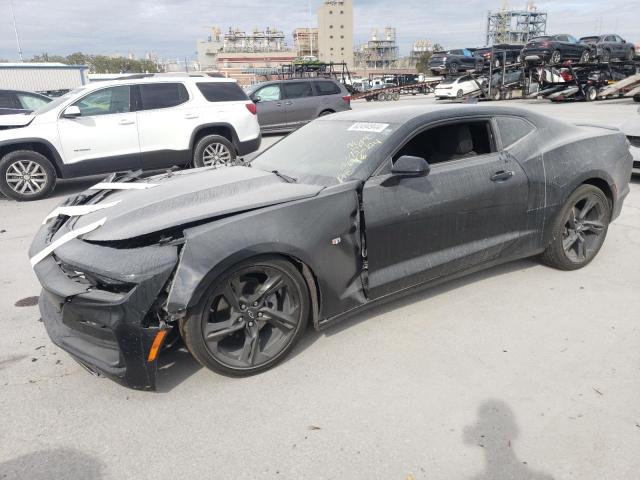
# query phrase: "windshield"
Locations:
[[325, 151], [57, 101]]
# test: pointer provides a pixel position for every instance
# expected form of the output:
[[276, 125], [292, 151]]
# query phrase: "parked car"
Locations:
[[610, 47], [289, 104], [146, 123], [631, 129], [496, 55], [339, 216], [456, 87], [452, 61], [17, 101], [556, 49]]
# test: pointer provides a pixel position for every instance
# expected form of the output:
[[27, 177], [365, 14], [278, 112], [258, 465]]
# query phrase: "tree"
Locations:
[[423, 62], [101, 63]]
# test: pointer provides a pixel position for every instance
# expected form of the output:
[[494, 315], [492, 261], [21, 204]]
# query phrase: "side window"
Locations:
[[270, 93], [513, 129], [450, 142], [324, 87], [106, 101], [162, 95], [7, 100], [221, 91], [31, 102], [562, 38], [297, 89], [571, 39]]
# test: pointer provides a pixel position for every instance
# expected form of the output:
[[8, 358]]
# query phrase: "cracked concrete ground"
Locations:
[[518, 372]]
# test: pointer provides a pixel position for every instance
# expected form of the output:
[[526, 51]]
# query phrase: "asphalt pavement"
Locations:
[[517, 372]]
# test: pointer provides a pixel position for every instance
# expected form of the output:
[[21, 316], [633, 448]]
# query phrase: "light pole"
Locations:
[[15, 29]]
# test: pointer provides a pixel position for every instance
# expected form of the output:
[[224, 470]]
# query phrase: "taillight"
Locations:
[[252, 108], [566, 76], [347, 98]]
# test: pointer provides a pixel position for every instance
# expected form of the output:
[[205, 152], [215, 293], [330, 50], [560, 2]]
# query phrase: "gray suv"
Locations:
[[285, 105]]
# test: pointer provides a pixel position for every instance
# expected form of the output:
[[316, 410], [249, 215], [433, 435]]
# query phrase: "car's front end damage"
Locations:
[[106, 282]]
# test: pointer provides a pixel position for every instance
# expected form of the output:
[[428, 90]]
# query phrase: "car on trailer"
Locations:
[[555, 49], [452, 61], [343, 214], [456, 87], [610, 47], [497, 56]]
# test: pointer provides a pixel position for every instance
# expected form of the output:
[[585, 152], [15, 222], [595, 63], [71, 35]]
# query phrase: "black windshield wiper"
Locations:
[[286, 178]]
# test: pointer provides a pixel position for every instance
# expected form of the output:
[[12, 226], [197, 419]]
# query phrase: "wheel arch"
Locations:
[[40, 146], [223, 129]]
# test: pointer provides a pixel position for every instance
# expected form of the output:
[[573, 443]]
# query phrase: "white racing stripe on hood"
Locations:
[[122, 186], [38, 257], [78, 210]]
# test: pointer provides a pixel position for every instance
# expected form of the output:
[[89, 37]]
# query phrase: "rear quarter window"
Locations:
[[221, 91], [513, 129], [327, 88], [162, 95]]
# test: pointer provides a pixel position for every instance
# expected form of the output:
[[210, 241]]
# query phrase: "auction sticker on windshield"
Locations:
[[368, 127]]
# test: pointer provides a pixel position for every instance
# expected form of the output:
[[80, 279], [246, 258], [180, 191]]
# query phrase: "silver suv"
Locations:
[[285, 105]]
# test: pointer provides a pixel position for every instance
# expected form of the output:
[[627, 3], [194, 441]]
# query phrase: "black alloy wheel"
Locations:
[[631, 53], [585, 57], [556, 57], [250, 319], [453, 68], [581, 229]]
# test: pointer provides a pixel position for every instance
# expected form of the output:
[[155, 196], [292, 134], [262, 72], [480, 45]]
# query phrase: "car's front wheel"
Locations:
[[605, 56], [250, 318], [580, 229], [631, 53], [585, 57], [26, 175], [213, 151], [556, 57]]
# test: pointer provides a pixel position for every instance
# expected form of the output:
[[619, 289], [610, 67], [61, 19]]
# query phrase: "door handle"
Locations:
[[502, 175], [190, 116], [126, 122], [289, 103]]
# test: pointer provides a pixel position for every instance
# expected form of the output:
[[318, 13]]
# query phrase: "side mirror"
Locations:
[[410, 166], [72, 112]]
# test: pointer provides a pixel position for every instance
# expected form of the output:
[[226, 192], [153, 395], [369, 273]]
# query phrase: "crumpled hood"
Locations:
[[190, 196], [16, 120]]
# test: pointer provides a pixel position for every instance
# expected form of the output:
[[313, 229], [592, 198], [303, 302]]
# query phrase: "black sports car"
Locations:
[[556, 49], [608, 47], [346, 212]]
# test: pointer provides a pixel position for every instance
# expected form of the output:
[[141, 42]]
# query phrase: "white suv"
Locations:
[[146, 123]]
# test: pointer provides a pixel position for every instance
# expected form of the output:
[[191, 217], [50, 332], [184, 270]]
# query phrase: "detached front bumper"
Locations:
[[109, 328]]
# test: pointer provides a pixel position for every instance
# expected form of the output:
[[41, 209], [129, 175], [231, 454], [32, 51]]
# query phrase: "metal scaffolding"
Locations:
[[379, 52], [515, 26]]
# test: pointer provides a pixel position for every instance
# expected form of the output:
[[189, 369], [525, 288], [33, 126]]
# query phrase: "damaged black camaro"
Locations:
[[350, 210]]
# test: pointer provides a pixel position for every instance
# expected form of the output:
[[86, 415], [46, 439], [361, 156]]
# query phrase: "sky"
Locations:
[[171, 28]]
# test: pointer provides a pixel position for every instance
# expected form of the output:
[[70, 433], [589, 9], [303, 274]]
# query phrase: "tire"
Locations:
[[382, 97], [214, 151], [519, 59], [496, 63], [585, 57], [453, 68], [368, 99], [579, 235], [26, 175], [324, 113], [459, 93], [631, 53], [591, 94], [496, 94], [241, 328], [556, 57], [395, 96], [606, 56]]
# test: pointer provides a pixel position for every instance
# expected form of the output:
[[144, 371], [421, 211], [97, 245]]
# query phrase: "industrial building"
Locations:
[[48, 78], [381, 52], [305, 42], [515, 26], [418, 49], [335, 32]]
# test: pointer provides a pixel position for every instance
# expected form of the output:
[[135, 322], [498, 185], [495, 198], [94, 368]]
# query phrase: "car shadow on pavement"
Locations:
[[495, 431], [55, 464], [175, 365]]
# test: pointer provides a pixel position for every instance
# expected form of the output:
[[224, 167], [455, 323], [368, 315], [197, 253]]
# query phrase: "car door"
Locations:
[[104, 138], [270, 107], [465, 212], [618, 46], [301, 105], [166, 119]]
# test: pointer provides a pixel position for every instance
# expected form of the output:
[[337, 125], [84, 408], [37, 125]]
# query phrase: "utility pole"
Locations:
[[15, 29]]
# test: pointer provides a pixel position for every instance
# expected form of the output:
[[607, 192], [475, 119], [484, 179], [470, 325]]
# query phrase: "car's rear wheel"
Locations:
[[459, 93], [26, 175], [556, 57], [250, 318], [213, 151], [585, 57], [631, 53], [453, 68], [605, 56], [591, 93], [325, 113], [580, 229]]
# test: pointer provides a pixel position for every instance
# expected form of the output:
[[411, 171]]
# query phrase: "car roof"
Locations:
[[402, 115], [11, 90], [162, 79]]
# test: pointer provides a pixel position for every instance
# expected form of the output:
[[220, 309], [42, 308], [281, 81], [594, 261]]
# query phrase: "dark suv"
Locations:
[[500, 54], [609, 47], [555, 49], [285, 105], [452, 61]]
